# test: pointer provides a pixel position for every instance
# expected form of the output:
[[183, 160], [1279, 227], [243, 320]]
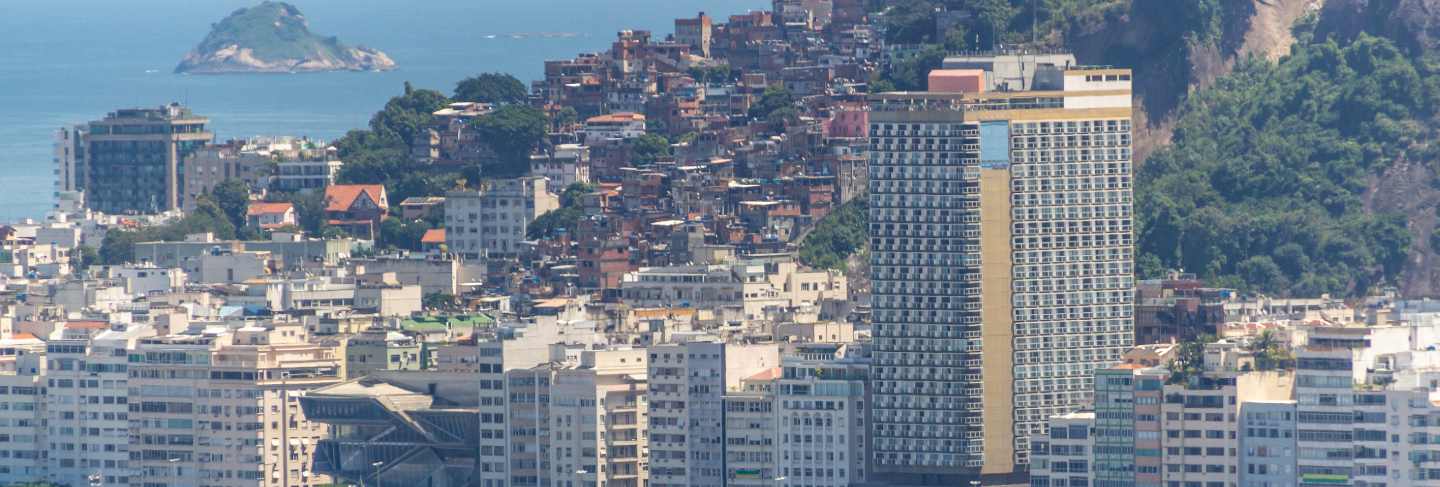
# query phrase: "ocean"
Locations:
[[64, 62]]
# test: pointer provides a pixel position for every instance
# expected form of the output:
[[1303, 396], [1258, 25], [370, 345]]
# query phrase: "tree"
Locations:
[[554, 222], [495, 88], [512, 131], [438, 300], [880, 86], [837, 236], [86, 256], [909, 22], [566, 117], [359, 142], [1189, 360], [774, 98], [649, 147], [784, 117], [992, 20], [413, 184], [233, 198], [713, 73], [572, 194], [208, 217], [118, 247], [912, 73], [1263, 184], [396, 233], [309, 209], [404, 116], [1269, 352]]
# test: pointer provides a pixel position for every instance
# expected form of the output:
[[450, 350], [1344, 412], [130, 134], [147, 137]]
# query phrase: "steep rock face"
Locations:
[[274, 37], [1170, 63], [1413, 24]]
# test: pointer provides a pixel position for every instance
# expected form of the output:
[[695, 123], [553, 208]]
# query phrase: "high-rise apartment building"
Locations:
[[87, 410], [132, 161], [821, 397], [1339, 429], [22, 411], [598, 420], [1066, 455], [223, 409], [1267, 443], [1002, 257], [688, 382], [751, 432], [1152, 428], [1127, 428], [69, 151], [528, 423]]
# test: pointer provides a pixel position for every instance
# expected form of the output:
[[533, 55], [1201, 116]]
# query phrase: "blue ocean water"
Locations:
[[64, 62]]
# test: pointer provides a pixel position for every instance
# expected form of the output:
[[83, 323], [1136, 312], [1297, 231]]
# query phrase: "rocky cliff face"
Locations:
[[274, 37], [236, 59], [1168, 65]]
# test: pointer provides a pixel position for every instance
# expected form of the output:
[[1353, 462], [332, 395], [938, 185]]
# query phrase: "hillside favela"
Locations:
[[788, 243]]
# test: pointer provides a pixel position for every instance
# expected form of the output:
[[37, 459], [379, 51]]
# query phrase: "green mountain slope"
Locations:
[[1265, 183]]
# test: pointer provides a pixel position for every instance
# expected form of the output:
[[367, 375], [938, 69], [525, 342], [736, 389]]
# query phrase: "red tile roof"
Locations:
[[433, 236], [87, 325], [268, 208], [340, 197], [619, 117], [767, 374]]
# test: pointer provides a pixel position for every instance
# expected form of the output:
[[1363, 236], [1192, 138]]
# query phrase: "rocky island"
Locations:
[[274, 37]]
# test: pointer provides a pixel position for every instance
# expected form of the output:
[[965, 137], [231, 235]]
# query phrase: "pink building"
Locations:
[[957, 80], [849, 121]]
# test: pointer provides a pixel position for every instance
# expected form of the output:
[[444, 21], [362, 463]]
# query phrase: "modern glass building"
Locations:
[[133, 159]]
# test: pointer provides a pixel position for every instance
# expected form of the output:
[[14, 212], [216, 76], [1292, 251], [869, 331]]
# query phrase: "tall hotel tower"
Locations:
[[1002, 259]]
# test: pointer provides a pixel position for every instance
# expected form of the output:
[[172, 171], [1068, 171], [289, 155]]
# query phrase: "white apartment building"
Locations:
[[222, 409], [22, 415], [69, 151], [613, 126], [87, 410], [598, 420], [492, 222], [1267, 444], [566, 165], [752, 432], [688, 382], [1065, 457], [1333, 419], [1002, 260], [528, 424], [745, 290], [145, 279], [821, 397]]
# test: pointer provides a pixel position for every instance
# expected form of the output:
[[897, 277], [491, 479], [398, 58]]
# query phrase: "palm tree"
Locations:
[[1270, 353]]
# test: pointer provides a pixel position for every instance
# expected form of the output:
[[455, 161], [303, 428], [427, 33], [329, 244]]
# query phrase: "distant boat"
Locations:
[[152, 71], [491, 36]]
